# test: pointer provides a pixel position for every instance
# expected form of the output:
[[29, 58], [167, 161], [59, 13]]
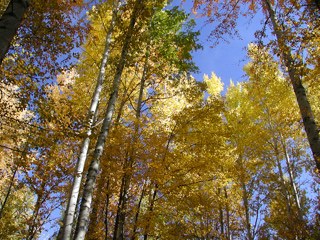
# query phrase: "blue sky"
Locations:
[[225, 60]]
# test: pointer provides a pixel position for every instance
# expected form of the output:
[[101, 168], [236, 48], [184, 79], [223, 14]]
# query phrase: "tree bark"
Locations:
[[9, 24], [75, 189], [116, 234], [228, 213], [300, 92], [95, 162], [33, 228], [293, 185], [95, 214]]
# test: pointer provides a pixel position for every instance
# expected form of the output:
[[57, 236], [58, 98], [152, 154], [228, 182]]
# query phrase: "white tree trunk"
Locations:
[[293, 185], [95, 162], [282, 180], [74, 193]]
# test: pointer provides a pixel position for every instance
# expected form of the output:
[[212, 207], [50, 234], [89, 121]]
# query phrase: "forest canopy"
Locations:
[[106, 133]]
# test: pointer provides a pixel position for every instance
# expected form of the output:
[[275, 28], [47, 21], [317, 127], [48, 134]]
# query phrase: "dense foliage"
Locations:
[[168, 156]]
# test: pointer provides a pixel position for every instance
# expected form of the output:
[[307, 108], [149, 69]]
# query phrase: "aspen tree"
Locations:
[[74, 193], [300, 92], [95, 163], [227, 13], [163, 54], [277, 113]]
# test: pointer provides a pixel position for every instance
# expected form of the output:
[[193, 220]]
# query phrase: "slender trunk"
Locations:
[[137, 215], [245, 198], [221, 221], [75, 189], [300, 92], [246, 207], [295, 192], [201, 232], [106, 221], [95, 162], [117, 229], [142, 84], [293, 185], [3, 205], [284, 190], [128, 165], [93, 221], [106, 213], [123, 207], [9, 24], [99, 210], [117, 119], [23, 154], [221, 215], [145, 236], [32, 226], [282, 181], [228, 213], [94, 216]]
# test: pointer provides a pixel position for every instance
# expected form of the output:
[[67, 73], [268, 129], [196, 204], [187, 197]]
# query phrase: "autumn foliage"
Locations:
[[183, 158]]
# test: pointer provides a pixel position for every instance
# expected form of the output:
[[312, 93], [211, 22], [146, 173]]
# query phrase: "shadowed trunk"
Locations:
[[294, 189], [9, 24], [246, 207], [117, 233], [228, 213]]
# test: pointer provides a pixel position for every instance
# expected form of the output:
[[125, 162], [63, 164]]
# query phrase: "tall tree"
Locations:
[[72, 202], [300, 92], [138, 9], [227, 13], [275, 116]]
